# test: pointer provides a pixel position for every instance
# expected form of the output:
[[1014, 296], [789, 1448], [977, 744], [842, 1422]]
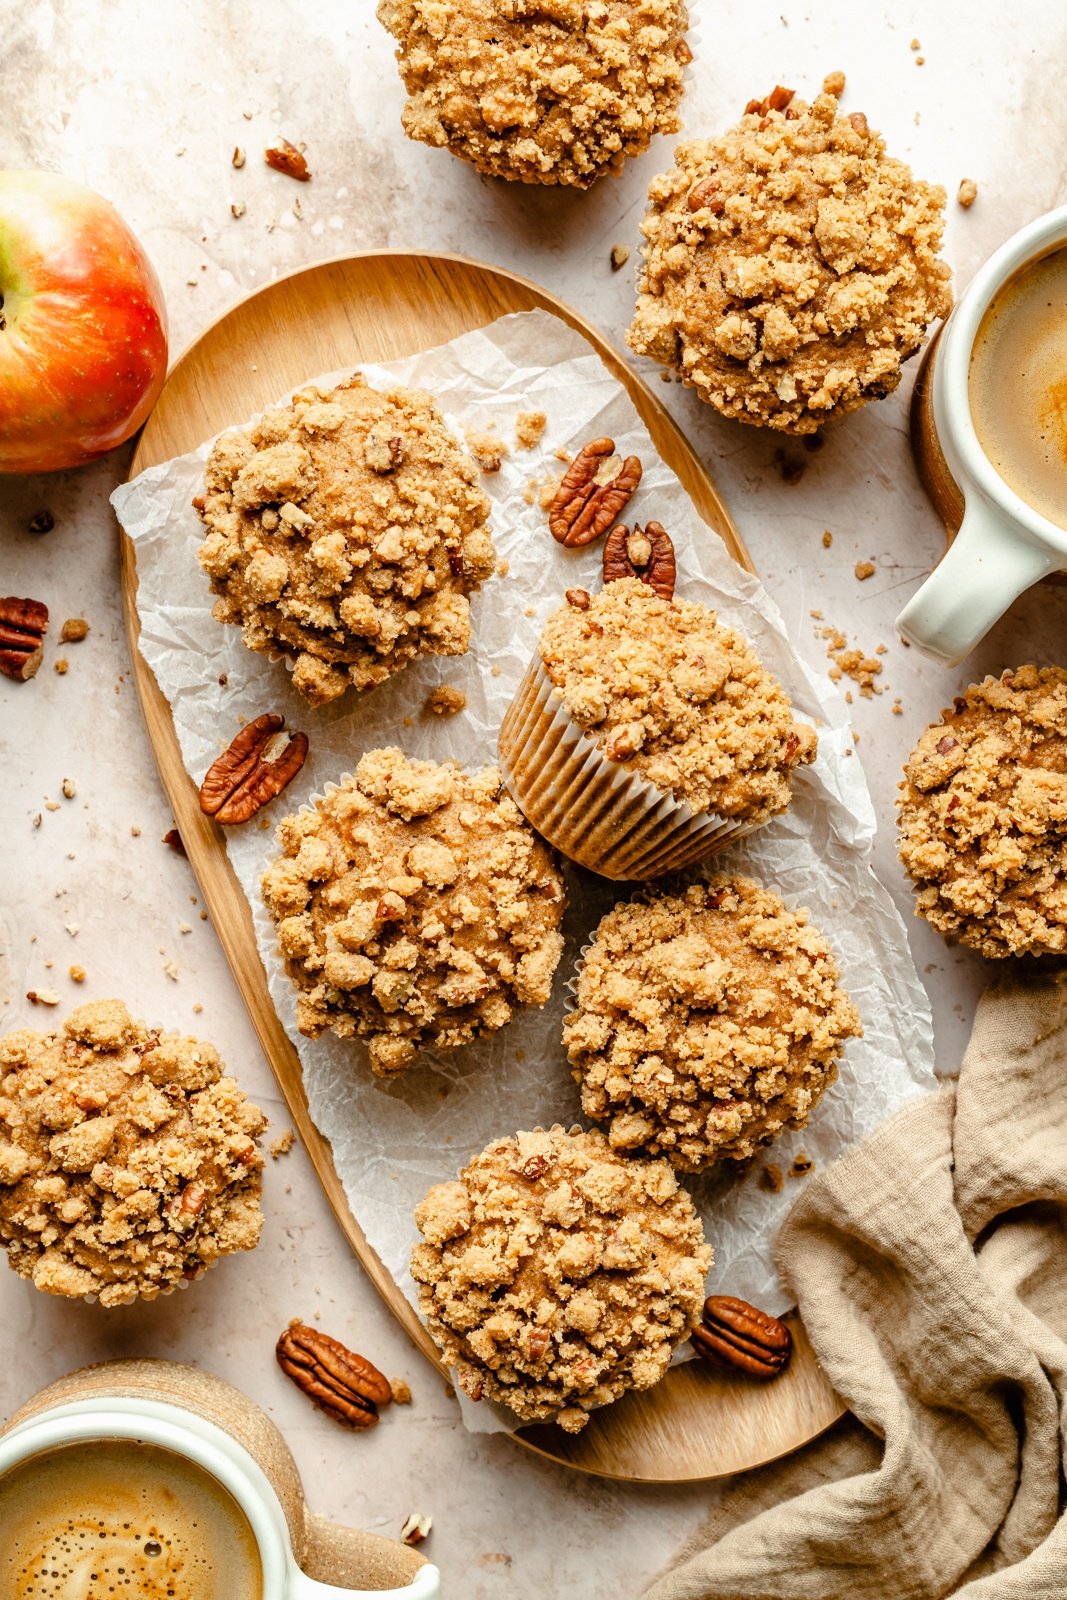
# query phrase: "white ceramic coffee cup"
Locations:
[[1003, 545], [218, 1453]]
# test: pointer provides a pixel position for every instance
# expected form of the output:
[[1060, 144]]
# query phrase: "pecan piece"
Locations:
[[707, 196], [259, 763], [343, 1384], [584, 509], [777, 100], [739, 1336], [285, 157], [646, 553], [23, 625]]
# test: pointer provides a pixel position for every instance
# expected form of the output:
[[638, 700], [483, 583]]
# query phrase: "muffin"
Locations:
[[705, 1022], [791, 266], [346, 531], [645, 734], [415, 907], [983, 816], [128, 1163], [555, 1274], [543, 91]]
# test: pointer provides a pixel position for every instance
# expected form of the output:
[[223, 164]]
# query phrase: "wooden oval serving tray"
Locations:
[[378, 307]]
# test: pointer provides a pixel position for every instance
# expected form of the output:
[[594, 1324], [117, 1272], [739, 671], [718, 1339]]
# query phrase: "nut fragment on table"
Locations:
[[285, 157], [261, 760], [738, 1336], [967, 193], [42, 522], [647, 554], [23, 625], [74, 630], [583, 507], [346, 1386], [416, 1528]]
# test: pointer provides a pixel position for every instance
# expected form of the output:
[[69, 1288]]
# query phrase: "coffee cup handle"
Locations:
[[987, 566], [347, 1564]]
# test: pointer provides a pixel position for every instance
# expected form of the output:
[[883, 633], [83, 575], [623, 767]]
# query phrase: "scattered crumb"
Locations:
[[864, 569], [529, 427], [42, 997], [620, 255], [37, 820], [51, 805], [967, 193], [77, 974], [238, 209], [789, 469], [416, 1528], [197, 1007], [488, 449], [771, 1176], [61, 666], [530, 611], [827, 539], [816, 614], [72, 929], [172, 838], [42, 522], [171, 969], [238, 157], [445, 700], [68, 788], [503, 568], [135, 831], [920, 61], [73, 630], [802, 1165], [862, 669], [915, 45], [565, 456], [548, 492], [282, 1145], [401, 1391], [897, 709], [834, 83], [494, 1558], [183, 927], [879, 649]]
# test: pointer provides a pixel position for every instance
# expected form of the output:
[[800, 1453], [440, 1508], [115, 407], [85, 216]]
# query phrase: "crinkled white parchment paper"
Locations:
[[392, 1141]]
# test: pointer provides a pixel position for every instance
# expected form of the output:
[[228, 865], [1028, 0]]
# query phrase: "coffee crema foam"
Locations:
[[1017, 385], [118, 1518]]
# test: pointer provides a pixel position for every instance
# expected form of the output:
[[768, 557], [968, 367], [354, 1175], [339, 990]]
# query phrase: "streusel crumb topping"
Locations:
[[545, 91], [663, 688], [346, 530], [706, 1022], [556, 1274], [128, 1163], [791, 266], [415, 906], [983, 816]]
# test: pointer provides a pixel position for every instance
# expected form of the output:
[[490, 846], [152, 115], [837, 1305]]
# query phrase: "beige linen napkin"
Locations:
[[930, 1264]]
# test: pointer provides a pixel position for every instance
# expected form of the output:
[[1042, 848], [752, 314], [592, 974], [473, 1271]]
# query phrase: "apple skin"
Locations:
[[83, 328]]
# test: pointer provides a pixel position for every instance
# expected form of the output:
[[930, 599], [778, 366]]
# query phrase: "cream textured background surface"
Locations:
[[144, 101]]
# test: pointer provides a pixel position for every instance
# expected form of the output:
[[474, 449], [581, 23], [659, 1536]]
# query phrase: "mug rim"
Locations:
[[183, 1433], [954, 421]]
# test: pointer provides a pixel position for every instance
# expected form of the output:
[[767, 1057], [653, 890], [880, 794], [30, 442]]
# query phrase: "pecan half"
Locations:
[[707, 196], [647, 553], [344, 1385], [23, 625], [259, 763], [777, 100], [739, 1336], [285, 157], [584, 509]]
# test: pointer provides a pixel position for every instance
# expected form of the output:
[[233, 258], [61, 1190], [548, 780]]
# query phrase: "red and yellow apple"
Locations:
[[83, 329]]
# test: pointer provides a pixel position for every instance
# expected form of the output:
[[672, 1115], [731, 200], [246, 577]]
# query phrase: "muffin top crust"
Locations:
[[790, 267], [346, 531], [543, 91], [415, 907], [128, 1163], [705, 1022], [556, 1274], [665, 690], [983, 816]]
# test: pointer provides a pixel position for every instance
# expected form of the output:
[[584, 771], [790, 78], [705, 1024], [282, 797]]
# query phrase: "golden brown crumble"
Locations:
[[557, 1274], [659, 684], [415, 907], [851, 662], [529, 429], [790, 267], [445, 701], [488, 449], [706, 1022], [346, 531], [128, 1163], [543, 91], [983, 816]]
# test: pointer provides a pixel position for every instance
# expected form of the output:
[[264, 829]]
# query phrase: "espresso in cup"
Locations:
[[114, 1517], [1017, 385]]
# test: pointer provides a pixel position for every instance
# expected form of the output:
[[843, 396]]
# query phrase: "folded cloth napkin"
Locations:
[[930, 1265]]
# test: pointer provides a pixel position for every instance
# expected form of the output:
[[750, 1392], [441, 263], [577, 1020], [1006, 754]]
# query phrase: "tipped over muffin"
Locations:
[[791, 266], [415, 908], [542, 91], [706, 1022], [345, 531], [128, 1162], [554, 1274]]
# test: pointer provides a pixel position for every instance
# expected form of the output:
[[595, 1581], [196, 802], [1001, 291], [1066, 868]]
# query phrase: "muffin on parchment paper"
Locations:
[[791, 266], [983, 816], [543, 91], [128, 1163], [644, 734], [346, 530], [705, 1022], [556, 1274], [415, 907]]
